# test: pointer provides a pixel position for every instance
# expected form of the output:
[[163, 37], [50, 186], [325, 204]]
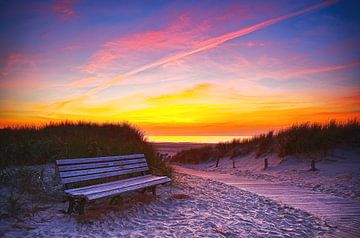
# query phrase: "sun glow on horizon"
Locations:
[[196, 139]]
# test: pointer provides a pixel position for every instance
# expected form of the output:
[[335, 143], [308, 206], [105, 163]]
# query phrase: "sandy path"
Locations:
[[205, 208], [338, 174], [342, 213]]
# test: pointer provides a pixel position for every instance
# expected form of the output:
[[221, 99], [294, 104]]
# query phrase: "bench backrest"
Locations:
[[73, 171]]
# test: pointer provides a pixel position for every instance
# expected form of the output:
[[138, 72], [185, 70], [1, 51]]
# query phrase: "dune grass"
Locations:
[[313, 140], [33, 145]]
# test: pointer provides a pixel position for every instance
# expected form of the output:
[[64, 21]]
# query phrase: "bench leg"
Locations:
[[153, 189], [71, 206], [82, 203]]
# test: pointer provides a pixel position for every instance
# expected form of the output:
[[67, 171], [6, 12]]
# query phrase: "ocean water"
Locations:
[[195, 139]]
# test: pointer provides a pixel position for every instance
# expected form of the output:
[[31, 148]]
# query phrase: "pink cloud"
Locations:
[[64, 8], [15, 62], [129, 46], [83, 82], [323, 69], [132, 45], [253, 44], [21, 72], [73, 47], [29, 83], [266, 60]]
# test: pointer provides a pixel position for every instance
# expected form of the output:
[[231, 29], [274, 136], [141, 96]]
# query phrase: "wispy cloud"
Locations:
[[83, 82], [175, 35], [65, 8], [293, 78], [202, 46], [189, 94], [17, 61], [323, 69]]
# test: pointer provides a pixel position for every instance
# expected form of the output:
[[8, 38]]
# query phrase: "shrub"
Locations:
[[22, 184]]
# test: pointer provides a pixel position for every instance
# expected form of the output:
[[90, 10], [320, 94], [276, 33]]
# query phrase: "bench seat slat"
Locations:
[[102, 184], [112, 186], [65, 168], [102, 175], [98, 159], [101, 170], [126, 189]]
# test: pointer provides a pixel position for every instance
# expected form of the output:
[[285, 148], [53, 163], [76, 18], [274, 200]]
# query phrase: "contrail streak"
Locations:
[[205, 45]]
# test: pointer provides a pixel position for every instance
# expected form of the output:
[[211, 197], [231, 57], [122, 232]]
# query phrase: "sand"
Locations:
[[190, 207], [338, 173]]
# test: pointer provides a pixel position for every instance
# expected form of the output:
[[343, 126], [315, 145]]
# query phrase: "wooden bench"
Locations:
[[83, 178]]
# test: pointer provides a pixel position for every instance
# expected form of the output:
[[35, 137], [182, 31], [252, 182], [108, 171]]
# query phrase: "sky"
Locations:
[[180, 68]]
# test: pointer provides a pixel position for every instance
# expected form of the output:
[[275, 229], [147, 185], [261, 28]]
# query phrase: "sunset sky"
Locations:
[[180, 68]]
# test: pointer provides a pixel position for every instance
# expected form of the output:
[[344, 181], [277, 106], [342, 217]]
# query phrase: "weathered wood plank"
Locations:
[[100, 170], [65, 168], [103, 175], [108, 183], [126, 189], [121, 184], [98, 159]]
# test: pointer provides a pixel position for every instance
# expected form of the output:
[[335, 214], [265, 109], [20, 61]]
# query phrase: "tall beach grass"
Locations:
[[40, 145], [313, 140]]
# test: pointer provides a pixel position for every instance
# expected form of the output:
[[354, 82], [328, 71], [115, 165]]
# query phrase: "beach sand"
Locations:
[[189, 207]]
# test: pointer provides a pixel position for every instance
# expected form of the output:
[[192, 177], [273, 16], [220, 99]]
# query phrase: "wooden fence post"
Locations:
[[265, 163], [313, 168]]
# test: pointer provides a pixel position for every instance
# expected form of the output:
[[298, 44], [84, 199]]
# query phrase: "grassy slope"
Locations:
[[313, 140], [30, 145]]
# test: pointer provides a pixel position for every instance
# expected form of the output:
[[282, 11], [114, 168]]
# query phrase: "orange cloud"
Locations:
[[197, 92]]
